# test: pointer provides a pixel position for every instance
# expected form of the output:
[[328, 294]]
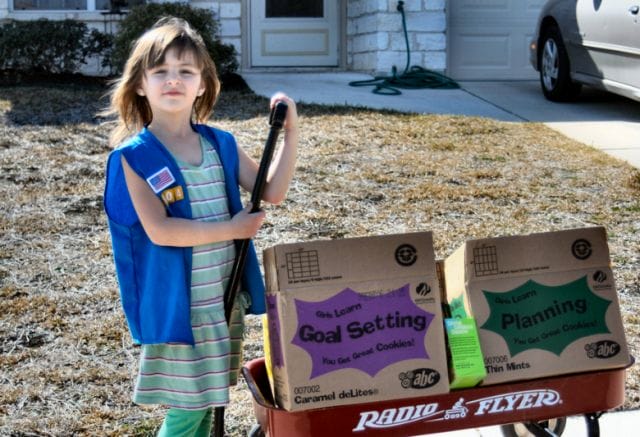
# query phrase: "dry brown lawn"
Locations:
[[67, 365]]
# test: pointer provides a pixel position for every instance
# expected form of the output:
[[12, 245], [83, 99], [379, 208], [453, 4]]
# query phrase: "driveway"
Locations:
[[598, 119], [602, 120]]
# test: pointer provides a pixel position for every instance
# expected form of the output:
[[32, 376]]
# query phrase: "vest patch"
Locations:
[[171, 195], [160, 180]]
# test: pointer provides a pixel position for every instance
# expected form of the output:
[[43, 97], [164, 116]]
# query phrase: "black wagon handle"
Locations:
[[276, 120]]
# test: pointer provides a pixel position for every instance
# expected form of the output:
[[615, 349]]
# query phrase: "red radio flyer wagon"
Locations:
[[532, 403]]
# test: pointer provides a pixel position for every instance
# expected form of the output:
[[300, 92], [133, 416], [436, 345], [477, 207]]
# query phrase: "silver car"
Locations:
[[591, 42]]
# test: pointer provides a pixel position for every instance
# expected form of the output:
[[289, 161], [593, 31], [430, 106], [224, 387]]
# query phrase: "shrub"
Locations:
[[48, 46], [142, 17]]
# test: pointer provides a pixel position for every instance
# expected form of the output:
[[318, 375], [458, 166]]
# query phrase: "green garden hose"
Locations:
[[414, 77]]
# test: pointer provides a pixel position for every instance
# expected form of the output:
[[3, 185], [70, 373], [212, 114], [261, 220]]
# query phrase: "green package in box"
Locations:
[[466, 365]]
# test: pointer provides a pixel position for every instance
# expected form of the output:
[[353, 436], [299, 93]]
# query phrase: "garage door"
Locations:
[[489, 39]]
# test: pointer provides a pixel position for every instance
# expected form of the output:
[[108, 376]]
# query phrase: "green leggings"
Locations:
[[178, 422]]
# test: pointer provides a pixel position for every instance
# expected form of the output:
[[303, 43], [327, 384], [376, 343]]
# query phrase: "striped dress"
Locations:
[[180, 375]]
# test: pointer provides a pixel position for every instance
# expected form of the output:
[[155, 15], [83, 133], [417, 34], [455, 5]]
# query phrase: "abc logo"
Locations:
[[419, 378], [602, 349]]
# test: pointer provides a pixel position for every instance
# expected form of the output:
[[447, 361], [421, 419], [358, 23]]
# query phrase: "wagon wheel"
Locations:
[[256, 431], [544, 428]]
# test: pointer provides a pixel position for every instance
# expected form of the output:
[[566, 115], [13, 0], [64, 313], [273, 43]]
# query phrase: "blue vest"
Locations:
[[155, 281]]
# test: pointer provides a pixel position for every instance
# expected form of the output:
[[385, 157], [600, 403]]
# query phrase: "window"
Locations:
[[294, 8], [73, 5], [49, 4]]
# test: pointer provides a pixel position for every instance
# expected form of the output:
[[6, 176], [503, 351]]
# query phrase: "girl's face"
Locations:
[[173, 86]]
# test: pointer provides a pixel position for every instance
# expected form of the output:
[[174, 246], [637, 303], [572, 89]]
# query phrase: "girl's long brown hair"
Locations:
[[132, 110]]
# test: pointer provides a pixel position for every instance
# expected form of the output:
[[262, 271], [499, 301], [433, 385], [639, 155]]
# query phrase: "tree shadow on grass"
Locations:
[[55, 100], [51, 100]]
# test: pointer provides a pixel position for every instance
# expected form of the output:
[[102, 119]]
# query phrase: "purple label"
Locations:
[[274, 332], [361, 331]]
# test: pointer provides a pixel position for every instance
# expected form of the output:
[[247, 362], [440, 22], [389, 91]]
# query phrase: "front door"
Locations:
[[294, 33]]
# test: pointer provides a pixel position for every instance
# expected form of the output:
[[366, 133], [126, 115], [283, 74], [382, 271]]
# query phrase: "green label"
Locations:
[[466, 356], [550, 318], [457, 308]]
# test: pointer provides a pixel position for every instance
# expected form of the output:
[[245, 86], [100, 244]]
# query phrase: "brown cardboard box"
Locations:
[[546, 304], [354, 321]]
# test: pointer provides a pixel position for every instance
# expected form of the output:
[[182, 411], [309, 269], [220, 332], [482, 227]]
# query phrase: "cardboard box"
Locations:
[[546, 304], [354, 321]]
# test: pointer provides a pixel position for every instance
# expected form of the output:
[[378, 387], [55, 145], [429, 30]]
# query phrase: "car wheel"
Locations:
[[555, 79]]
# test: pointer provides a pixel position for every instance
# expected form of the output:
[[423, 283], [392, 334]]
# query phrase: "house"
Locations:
[[465, 39]]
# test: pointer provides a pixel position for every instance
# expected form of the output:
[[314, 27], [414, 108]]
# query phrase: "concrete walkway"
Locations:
[[602, 120]]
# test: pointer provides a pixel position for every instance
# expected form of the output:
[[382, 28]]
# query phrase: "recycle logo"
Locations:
[[581, 249], [406, 255]]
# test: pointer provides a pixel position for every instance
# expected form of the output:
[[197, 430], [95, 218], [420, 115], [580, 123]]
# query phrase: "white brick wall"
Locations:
[[409, 5], [231, 10], [433, 5], [229, 15], [4, 9], [375, 38]]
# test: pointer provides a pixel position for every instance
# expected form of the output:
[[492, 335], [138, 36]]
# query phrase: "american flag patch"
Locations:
[[160, 180]]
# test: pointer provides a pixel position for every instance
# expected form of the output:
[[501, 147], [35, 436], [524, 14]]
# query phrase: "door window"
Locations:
[[294, 8]]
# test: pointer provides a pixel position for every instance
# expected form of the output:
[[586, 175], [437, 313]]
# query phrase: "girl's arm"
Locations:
[[284, 161], [172, 231]]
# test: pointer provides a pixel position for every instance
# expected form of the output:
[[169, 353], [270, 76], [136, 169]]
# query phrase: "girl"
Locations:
[[174, 209]]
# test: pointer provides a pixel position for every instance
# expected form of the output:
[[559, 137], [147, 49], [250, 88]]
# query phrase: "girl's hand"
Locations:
[[291, 120], [284, 160], [247, 224]]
